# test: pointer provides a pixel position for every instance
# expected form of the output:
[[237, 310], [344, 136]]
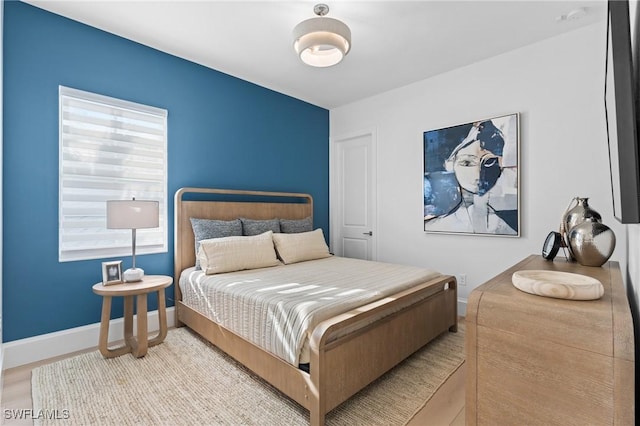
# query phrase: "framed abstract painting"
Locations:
[[471, 178]]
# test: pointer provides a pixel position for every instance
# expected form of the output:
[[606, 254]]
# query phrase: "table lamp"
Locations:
[[132, 214]]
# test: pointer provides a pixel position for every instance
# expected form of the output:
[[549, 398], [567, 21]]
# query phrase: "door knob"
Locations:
[[368, 233]]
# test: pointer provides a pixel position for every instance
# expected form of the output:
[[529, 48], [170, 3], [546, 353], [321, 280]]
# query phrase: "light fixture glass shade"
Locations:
[[322, 41], [133, 214]]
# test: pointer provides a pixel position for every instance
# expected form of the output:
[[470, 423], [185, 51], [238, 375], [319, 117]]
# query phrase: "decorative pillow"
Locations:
[[204, 229], [229, 254], [302, 246], [294, 226], [256, 227]]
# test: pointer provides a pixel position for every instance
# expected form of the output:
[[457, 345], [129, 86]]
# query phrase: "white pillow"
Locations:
[[302, 246], [227, 254]]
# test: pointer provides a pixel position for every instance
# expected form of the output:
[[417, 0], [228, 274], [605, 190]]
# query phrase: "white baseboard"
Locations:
[[462, 307], [45, 346]]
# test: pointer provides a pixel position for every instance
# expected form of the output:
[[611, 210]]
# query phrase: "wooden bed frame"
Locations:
[[347, 352]]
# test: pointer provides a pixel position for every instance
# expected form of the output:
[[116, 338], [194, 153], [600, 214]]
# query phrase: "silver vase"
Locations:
[[592, 243], [580, 213]]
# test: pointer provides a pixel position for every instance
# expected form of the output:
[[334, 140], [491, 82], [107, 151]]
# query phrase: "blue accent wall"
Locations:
[[223, 132]]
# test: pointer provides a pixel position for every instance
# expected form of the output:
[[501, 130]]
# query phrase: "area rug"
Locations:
[[187, 381]]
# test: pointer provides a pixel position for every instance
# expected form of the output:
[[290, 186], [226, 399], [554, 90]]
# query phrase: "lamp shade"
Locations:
[[321, 41], [132, 214]]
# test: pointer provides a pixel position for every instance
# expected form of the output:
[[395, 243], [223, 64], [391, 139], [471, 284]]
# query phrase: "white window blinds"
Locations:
[[110, 149]]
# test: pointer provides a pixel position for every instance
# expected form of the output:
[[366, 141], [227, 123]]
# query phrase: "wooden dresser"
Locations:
[[538, 360]]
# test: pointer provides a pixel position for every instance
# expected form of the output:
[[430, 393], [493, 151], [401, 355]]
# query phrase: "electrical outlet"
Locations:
[[462, 279]]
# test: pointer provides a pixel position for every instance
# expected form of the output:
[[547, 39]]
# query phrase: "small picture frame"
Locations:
[[112, 272]]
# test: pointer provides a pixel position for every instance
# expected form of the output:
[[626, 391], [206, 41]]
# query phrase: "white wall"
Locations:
[[1, 149], [557, 86]]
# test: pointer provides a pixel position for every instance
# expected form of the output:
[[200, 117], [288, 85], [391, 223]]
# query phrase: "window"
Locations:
[[109, 150]]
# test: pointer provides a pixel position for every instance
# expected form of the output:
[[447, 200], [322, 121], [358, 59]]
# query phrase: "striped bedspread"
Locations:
[[277, 308]]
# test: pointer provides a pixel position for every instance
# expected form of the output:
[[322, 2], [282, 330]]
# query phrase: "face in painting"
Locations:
[[466, 166]]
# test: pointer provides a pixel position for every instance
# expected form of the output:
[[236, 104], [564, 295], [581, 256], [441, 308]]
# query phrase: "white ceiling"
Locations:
[[395, 43]]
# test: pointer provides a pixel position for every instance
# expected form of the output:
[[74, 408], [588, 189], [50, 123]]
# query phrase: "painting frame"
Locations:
[[112, 272], [471, 181]]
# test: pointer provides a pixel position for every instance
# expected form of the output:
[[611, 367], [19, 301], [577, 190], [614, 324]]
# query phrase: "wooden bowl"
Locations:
[[559, 285]]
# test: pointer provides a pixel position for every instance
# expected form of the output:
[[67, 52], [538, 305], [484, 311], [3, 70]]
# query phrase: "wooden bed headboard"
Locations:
[[227, 204]]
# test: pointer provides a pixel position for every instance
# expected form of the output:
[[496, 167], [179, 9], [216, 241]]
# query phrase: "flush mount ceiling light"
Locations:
[[321, 41]]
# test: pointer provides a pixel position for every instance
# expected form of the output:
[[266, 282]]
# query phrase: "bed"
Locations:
[[344, 352]]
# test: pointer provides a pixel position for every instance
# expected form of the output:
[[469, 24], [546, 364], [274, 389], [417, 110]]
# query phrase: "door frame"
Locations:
[[335, 176]]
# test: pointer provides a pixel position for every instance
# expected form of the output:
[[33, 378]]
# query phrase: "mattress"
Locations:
[[277, 308]]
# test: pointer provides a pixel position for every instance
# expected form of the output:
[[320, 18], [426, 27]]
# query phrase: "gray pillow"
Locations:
[[256, 227], [295, 226], [203, 229]]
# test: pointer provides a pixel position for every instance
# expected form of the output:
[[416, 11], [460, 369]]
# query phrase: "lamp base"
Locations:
[[132, 275]]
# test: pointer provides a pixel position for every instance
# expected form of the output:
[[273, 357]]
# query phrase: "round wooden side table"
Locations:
[[136, 345]]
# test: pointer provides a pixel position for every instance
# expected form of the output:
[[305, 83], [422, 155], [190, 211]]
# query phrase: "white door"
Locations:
[[353, 196]]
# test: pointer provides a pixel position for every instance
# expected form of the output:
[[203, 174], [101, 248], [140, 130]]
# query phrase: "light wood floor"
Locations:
[[446, 407]]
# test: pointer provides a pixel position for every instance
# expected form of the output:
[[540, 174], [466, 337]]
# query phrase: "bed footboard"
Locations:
[[339, 346], [337, 367]]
